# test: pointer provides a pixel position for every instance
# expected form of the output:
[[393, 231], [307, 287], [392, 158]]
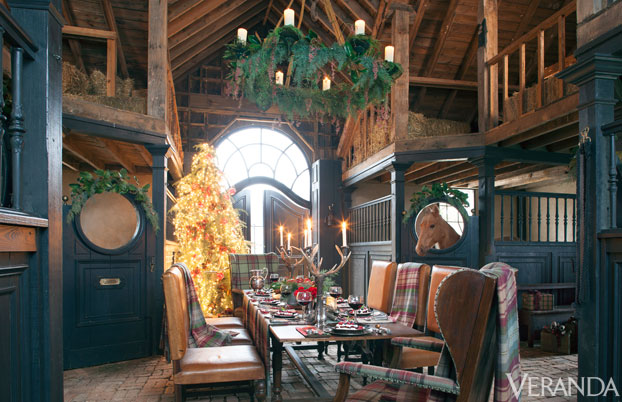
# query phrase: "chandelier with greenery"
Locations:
[[296, 73]]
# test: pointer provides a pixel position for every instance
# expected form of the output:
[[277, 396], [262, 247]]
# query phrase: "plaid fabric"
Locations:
[[201, 334], [381, 391], [508, 361], [535, 300], [406, 294], [242, 264], [417, 343], [259, 329], [446, 385]]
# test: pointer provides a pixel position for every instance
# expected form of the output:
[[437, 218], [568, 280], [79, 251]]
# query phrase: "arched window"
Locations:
[[261, 152]]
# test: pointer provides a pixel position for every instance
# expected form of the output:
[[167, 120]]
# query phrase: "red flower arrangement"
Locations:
[[311, 289]]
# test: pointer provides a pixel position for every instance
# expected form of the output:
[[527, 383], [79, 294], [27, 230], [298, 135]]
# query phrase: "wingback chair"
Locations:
[[241, 265], [381, 283], [239, 363], [411, 358], [466, 311]]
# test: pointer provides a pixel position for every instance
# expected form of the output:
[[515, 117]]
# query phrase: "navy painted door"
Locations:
[[105, 298], [280, 210]]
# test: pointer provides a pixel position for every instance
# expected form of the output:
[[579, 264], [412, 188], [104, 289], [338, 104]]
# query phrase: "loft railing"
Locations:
[[535, 217], [371, 221], [21, 46], [558, 21]]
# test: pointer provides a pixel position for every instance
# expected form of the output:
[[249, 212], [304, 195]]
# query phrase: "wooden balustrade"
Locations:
[[371, 221], [535, 217], [503, 57]]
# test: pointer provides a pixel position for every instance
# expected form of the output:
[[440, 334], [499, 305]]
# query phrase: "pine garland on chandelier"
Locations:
[[310, 68], [208, 229]]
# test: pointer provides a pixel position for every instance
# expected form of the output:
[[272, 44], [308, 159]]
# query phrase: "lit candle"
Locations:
[[242, 33], [310, 232], [325, 84], [359, 27], [388, 53], [289, 242], [306, 238], [281, 233], [279, 78], [288, 16], [344, 242]]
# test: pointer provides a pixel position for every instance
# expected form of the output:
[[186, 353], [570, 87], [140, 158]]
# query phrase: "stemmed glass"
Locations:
[[274, 278], [286, 290], [335, 291], [304, 297], [355, 303]]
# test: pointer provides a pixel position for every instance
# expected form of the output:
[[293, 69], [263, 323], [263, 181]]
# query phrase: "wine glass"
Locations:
[[286, 290], [304, 297], [355, 303], [335, 291]]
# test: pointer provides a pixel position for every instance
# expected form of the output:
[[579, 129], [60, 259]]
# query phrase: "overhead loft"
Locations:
[[103, 129], [518, 106]]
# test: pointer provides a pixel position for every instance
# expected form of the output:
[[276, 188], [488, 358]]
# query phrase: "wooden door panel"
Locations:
[[280, 210], [242, 202]]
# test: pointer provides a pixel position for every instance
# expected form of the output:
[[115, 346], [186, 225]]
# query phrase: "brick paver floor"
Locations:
[[149, 379]]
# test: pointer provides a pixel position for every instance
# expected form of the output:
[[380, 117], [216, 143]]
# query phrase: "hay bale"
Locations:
[[98, 83], [529, 99], [510, 108], [570, 88], [379, 137], [74, 81], [421, 126], [124, 87], [551, 90]]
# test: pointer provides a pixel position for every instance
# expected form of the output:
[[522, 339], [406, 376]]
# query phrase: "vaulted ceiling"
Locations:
[[443, 36]]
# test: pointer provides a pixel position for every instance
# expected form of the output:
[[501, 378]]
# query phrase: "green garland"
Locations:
[[253, 66], [438, 191], [112, 181]]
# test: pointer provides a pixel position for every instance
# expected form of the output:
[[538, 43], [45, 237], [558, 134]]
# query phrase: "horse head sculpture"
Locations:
[[434, 229]]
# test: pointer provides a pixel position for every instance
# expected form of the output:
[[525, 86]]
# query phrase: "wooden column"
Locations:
[[399, 93], [487, 95], [41, 366], [397, 210], [155, 263], [595, 74], [157, 77], [485, 206]]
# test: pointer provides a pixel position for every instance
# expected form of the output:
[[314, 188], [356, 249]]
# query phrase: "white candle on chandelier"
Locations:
[[325, 84], [344, 241], [242, 33], [389, 51], [289, 242], [278, 78], [359, 27], [305, 238], [281, 234], [288, 17], [310, 232]]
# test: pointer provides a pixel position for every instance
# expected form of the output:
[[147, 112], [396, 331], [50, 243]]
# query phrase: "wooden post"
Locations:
[[397, 209], [157, 59], [155, 263], [487, 77], [521, 78], [399, 93], [561, 49], [486, 206], [111, 67], [540, 84], [506, 65]]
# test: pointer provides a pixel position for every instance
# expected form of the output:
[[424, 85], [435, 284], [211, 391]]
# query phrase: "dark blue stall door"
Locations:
[[106, 300]]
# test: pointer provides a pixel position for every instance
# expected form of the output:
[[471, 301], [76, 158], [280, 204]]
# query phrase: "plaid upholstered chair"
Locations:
[[241, 266], [466, 313]]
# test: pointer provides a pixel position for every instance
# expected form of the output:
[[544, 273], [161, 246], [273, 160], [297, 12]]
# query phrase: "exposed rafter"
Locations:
[[117, 154], [112, 24], [70, 146], [414, 28], [74, 44], [183, 21]]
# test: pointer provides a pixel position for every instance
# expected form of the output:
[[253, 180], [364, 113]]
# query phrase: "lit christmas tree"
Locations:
[[208, 228]]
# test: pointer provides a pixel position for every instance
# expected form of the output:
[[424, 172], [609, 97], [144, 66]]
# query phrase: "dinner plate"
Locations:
[[282, 315], [345, 332]]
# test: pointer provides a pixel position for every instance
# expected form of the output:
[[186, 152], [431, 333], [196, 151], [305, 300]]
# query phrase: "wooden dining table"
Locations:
[[282, 336]]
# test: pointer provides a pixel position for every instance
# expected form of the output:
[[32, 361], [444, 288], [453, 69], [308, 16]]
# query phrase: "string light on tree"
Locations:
[[208, 229]]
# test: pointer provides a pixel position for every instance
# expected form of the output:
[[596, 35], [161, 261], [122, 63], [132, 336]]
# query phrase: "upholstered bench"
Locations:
[[238, 365]]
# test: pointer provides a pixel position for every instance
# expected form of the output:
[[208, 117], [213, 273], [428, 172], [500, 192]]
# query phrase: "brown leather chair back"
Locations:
[[381, 284], [439, 272], [424, 286], [177, 318], [466, 310]]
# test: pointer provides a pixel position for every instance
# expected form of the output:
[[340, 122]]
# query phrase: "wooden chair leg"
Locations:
[[179, 393], [342, 388], [260, 390]]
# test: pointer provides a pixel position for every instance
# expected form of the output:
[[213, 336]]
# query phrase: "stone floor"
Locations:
[[149, 379]]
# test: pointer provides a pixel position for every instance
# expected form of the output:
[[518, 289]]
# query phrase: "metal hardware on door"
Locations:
[[152, 263]]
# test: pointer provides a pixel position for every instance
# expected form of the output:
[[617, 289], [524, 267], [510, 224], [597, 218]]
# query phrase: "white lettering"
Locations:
[[589, 386], [580, 390], [560, 387], [548, 384], [530, 387], [516, 391], [611, 386]]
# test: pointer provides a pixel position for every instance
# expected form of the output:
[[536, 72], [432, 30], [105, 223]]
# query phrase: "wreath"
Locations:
[[307, 60], [112, 181], [438, 191]]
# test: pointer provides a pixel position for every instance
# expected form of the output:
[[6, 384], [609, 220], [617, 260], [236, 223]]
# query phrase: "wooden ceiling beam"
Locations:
[[458, 167], [332, 17], [428, 169], [448, 21], [356, 11], [443, 83], [537, 175], [564, 145], [542, 130], [79, 152], [571, 131], [414, 28], [190, 17], [382, 6], [201, 28], [144, 154], [74, 44], [117, 153], [265, 18], [112, 24], [526, 19], [182, 7], [213, 33], [70, 166]]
